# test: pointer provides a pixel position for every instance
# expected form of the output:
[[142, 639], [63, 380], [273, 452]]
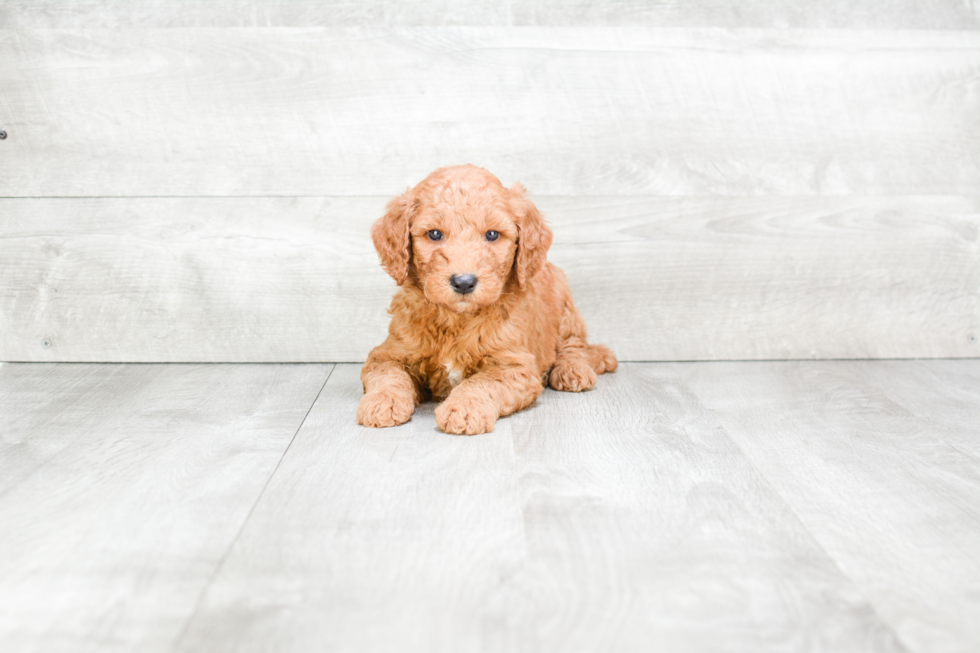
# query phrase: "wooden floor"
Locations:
[[790, 506]]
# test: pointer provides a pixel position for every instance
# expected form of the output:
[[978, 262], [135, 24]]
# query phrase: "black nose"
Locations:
[[463, 283]]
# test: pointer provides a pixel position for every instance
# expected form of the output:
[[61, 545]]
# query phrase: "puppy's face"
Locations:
[[463, 248], [460, 235]]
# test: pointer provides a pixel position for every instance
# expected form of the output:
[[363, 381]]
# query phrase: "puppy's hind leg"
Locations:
[[578, 362], [602, 359]]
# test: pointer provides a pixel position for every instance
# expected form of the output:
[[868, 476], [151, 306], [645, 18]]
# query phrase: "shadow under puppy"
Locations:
[[481, 319]]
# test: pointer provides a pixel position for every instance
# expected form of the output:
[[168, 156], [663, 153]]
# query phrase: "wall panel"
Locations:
[[297, 279], [901, 14], [569, 111], [195, 181]]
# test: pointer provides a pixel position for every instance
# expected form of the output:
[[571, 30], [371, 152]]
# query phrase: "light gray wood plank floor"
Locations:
[[122, 486], [765, 506]]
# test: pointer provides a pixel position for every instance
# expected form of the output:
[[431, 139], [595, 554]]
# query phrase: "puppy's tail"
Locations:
[[601, 359]]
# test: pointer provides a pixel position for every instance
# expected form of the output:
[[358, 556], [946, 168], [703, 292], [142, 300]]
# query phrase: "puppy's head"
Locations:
[[460, 236]]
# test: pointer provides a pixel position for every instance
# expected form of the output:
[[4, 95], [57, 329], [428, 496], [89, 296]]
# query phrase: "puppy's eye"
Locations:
[[493, 235], [435, 234]]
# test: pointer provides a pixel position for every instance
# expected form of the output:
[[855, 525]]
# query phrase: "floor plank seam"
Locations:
[[806, 528], [217, 569]]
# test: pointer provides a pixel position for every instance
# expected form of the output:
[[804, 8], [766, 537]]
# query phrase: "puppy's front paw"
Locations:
[[466, 416], [378, 409], [572, 375]]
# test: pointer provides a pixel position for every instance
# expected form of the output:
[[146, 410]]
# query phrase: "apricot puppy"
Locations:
[[481, 320]]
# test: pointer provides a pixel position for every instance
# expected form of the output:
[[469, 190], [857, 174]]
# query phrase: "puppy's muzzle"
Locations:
[[463, 283]]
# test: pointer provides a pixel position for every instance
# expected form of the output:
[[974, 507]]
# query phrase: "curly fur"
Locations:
[[488, 353]]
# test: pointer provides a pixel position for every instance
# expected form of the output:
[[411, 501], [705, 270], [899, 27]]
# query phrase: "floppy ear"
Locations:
[[391, 236], [533, 236]]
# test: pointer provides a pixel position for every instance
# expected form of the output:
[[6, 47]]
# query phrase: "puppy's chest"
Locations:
[[446, 357], [444, 371], [446, 364], [454, 373]]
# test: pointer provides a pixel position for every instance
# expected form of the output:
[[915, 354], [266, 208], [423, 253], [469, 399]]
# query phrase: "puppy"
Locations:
[[481, 319]]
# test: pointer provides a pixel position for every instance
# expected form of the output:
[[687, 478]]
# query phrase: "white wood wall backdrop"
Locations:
[[739, 193], [296, 279], [568, 111], [905, 14]]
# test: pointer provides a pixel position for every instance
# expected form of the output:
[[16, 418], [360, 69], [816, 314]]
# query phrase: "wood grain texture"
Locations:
[[401, 539], [941, 395], [297, 279], [648, 529], [904, 14], [607, 532], [683, 507], [567, 110], [169, 280], [882, 491], [121, 487]]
